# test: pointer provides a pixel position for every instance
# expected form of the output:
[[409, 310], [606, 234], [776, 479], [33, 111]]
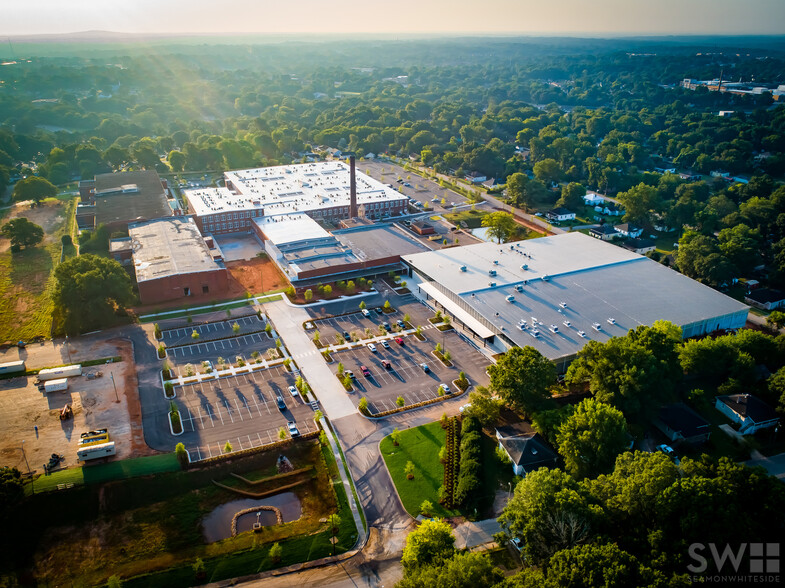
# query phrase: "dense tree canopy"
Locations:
[[501, 225], [89, 290], [22, 233], [521, 377], [34, 188]]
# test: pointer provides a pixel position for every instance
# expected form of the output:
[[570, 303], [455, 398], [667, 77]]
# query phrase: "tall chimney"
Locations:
[[352, 189]]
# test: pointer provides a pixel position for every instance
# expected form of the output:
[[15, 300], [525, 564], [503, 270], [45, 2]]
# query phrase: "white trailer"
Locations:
[[12, 367], [96, 451], [60, 385], [67, 371]]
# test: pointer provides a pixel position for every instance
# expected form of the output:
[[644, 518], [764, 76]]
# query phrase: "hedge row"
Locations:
[[451, 464], [470, 471]]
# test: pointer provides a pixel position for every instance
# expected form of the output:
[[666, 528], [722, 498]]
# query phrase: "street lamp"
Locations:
[[117, 398], [67, 349]]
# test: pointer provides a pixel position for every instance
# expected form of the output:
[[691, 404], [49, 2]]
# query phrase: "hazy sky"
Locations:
[[594, 17]]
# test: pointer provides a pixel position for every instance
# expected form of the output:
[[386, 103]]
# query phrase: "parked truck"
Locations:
[[60, 385], [12, 367], [67, 371], [89, 452]]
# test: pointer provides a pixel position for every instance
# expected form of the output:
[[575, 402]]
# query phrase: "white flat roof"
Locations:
[[289, 188], [290, 228]]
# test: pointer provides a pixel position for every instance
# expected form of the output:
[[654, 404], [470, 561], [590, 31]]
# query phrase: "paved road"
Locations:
[[775, 465]]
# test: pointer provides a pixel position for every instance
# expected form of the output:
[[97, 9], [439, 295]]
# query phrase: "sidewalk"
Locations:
[[288, 322]]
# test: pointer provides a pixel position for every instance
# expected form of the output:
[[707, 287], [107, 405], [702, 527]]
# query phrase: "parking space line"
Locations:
[[218, 408], [199, 454], [257, 405], [240, 443], [210, 450], [260, 439], [238, 410], [247, 407], [228, 409]]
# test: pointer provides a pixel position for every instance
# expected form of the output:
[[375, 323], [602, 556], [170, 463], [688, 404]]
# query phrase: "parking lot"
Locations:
[[243, 345], [406, 377], [212, 330], [239, 409], [419, 188]]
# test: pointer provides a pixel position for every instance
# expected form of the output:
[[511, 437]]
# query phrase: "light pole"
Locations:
[[509, 490], [29, 472], [67, 349], [117, 398]]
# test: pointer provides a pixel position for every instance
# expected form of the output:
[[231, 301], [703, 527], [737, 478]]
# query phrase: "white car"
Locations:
[[372, 347], [386, 344], [445, 387], [464, 407], [293, 429], [365, 312], [293, 391]]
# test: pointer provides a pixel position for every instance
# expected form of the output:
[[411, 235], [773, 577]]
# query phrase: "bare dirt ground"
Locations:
[[257, 275], [23, 407], [48, 216]]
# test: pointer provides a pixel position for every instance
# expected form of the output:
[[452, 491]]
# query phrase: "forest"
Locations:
[[596, 113]]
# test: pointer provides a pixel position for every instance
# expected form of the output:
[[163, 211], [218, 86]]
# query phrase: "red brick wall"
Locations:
[[172, 287]]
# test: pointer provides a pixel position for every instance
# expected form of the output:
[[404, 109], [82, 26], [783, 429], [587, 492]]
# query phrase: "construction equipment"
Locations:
[[54, 461], [66, 413]]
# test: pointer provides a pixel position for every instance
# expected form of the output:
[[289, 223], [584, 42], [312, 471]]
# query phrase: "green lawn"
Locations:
[[106, 472], [421, 446]]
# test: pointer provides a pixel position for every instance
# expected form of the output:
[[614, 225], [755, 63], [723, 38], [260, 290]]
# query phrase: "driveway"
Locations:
[[775, 465]]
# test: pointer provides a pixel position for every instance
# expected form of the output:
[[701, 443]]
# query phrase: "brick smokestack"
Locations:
[[352, 189]]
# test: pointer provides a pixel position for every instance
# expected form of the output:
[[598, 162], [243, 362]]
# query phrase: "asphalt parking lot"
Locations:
[[421, 189], [243, 345], [211, 331], [406, 377], [239, 409]]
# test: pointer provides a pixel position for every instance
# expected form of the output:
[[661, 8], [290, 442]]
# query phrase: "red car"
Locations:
[[365, 371], [387, 365], [399, 340]]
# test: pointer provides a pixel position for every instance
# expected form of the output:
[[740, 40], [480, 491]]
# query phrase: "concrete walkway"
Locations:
[[347, 484], [288, 322]]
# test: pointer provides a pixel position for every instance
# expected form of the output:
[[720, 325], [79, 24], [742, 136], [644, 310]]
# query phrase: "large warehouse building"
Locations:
[[557, 293], [324, 191], [172, 261]]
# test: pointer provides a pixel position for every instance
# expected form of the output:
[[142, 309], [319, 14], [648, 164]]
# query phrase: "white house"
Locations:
[[476, 177], [640, 246], [560, 214], [592, 198], [765, 298], [750, 412], [603, 232], [608, 208], [629, 230]]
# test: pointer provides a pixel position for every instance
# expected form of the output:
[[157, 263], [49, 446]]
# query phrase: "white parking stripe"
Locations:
[[218, 408], [228, 409], [238, 410]]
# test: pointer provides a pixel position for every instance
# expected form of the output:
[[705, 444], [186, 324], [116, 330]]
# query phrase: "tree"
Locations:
[[89, 290], [501, 225], [516, 191], [11, 490], [429, 544], [639, 201], [387, 305], [395, 436], [362, 305], [572, 196], [462, 570], [35, 189], [328, 290], [22, 233], [182, 454], [484, 406], [409, 470], [699, 257], [547, 170], [521, 378], [548, 512], [599, 565], [591, 438], [228, 447], [235, 328], [276, 552], [776, 319], [777, 388]]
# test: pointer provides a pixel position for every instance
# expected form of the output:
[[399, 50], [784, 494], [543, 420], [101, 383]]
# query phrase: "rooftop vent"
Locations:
[[518, 288], [492, 272], [525, 266], [545, 278], [463, 268], [492, 284], [495, 262], [510, 298]]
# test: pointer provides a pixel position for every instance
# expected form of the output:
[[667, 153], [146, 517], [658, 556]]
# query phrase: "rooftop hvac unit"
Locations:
[[545, 278], [612, 320], [567, 324], [492, 272], [535, 333], [492, 284], [518, 288], [563, 304], [495, 262], [463, 268], [510, 298], [525, 266]]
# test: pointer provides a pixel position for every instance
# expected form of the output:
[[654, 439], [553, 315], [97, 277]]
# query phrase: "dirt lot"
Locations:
[[257, 275], [23, 406], [48, 216]]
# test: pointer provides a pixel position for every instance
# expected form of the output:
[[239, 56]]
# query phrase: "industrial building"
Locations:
[[172, 260], [306, 253], [115, 200], [557, 293], [328, 191]]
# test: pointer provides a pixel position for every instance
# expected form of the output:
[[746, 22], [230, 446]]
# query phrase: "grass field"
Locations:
[[473, 220], [26, 283], [421, 446]]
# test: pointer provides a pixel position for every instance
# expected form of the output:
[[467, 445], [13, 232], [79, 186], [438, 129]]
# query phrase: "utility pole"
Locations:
[[67, 349], [29, 472], [117, 398]]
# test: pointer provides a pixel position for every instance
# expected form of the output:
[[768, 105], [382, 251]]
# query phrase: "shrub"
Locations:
[[189, 370], [181, 454], [228, 447], [409, 470], [308, 295], [235, 328], [157, 330], [194, 335], [66, 240], [169, 389], [426, 508], [444, 420], [387, 306], [323, 438], [276, 552], [363, 404], [400, 401], [162, 351], [255, 354], [395, 436], [268, 328]]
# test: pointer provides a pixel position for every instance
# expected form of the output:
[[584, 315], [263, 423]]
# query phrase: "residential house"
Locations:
[[370, 155], [592, 199], [748, 411], [603, 232], [609, 208], [476, 177], [560, 214], [629, 230], [679, 423], [527, 451], [640, 246], [665, 170], [765, 298]]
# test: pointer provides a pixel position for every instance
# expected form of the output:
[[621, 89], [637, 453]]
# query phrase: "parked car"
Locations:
[[407, 184], [293, 429], [425, 367], [445, 387], [372, 347], [399, 340], [400, 323], [386, 344], [280, 402], [379, 310], [293, 391], [386, 325], [365, 312], [668, 450], [349, 373], [347, 336], [365, 371], [387, 365]]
